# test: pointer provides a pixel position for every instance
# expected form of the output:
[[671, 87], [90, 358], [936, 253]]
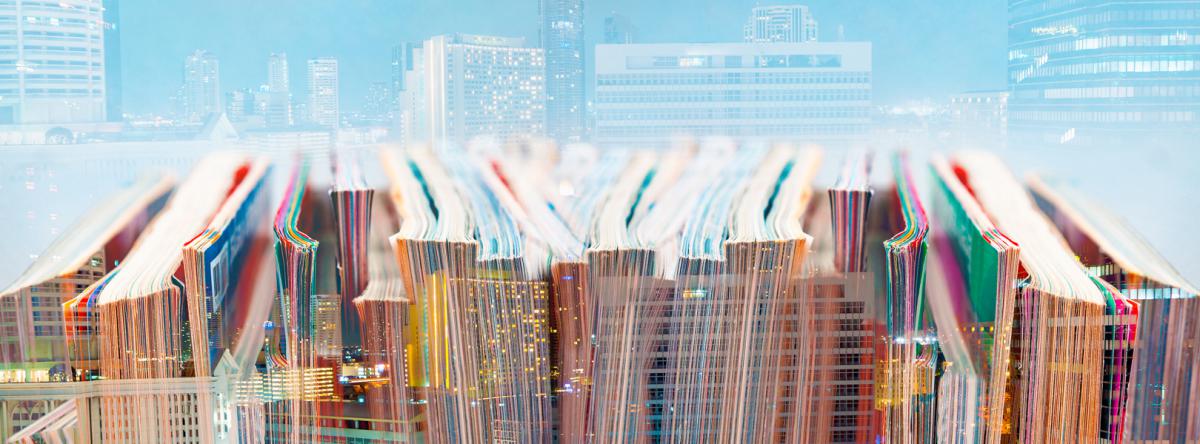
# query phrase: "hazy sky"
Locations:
[[921, 48]]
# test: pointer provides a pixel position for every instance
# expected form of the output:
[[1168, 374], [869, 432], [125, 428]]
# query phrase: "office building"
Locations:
[[402, 62], [278, 110], [113, 109], [467, 85], [785, 24], [648, 93], [619, 30], [1103, 71], [277, 72], [978, 117], [239, 104], [378, 102], [323, 103], [201, 92], [56, 68], [33, 346], [562, 40]]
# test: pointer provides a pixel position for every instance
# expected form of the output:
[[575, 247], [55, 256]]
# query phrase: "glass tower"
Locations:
[[562, 39], [52, 62], [1092, 70]]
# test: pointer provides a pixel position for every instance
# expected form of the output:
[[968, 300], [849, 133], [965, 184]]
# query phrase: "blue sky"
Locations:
[[922, 49]]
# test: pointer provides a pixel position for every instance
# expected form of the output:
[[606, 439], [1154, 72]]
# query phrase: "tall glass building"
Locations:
[[52, 61], [1083, 71], [562, 40]]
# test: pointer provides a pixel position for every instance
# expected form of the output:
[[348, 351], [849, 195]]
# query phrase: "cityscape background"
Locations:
[[1103, 93]]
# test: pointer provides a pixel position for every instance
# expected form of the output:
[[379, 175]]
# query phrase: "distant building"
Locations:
[[466, 85], [55, 68], [113, 109], [379, 102], [277, 72], [323, 105], [239, 104], [261, 99], [785, 23], [1097, 70], [201, 93], [402, 63], [402, 56], [314, 142], [648, 93], [619, 30], [562, 40], [979, 116], [278, 110]]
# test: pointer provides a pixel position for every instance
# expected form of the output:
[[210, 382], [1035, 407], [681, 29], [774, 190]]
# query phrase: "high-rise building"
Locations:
[[201, 94], [239, 103], [785, 23], [278, 111], [562, 40], [619, 30], [648, 93], [277, 72], [402, 55], [56, 67], [378, 101], [323, 92], [1095, 71], [113, 109], [468, 85]]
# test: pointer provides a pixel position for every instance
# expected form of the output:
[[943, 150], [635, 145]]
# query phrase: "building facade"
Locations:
[[201, 93], [113, 108], [562, 41], [239, 104], [402, 62], [646, 94], [466, 85], [323, 105], [785, 23], [278, 111], [1097, 71], [978, 117], [52, 62]]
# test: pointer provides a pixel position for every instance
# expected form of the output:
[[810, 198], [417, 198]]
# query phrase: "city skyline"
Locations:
[[330, 31]]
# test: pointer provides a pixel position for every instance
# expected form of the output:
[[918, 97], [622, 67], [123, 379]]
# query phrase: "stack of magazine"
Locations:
[[716, 291]]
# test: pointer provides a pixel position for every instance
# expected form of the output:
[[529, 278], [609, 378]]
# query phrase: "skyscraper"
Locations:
[[112, 61], [468, 85], [201, 93], [618, 29], [401, 62], [56, 67], [277, 72], [279, 96], [323, 92], [1093, 70], [785, 23], [562, 39], [649, 93]]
